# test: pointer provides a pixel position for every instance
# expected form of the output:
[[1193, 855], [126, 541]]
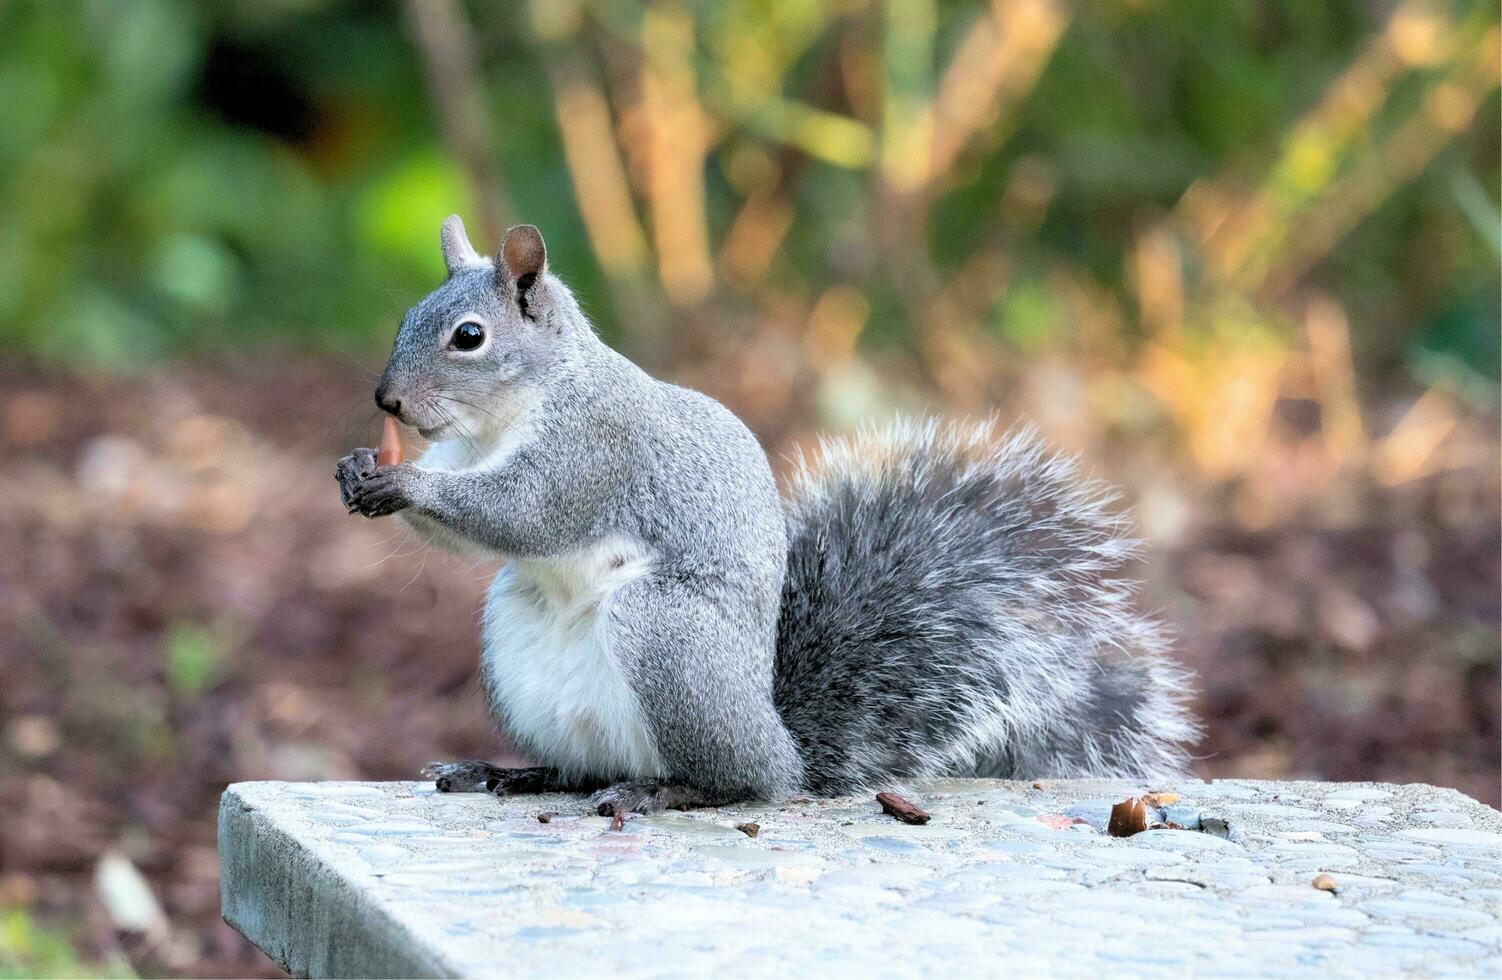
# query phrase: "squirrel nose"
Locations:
[[386, 403]]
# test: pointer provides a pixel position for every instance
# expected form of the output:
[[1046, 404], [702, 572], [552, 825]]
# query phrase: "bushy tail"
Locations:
[[954, 606]]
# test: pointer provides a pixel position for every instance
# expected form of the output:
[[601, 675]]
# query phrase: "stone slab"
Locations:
[[394, 879]]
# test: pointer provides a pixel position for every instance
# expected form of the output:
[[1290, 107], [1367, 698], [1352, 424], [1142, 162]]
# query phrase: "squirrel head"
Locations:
[[494, 332]]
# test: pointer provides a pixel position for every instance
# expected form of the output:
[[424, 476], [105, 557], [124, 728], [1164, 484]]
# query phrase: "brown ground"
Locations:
[[183, 603]]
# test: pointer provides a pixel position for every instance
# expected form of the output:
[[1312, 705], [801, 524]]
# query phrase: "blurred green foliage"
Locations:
[[30, 949], [181, 175], [192, 658]]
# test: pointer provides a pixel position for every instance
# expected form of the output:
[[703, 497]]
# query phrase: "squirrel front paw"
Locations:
[[350, 470], [373, 490]]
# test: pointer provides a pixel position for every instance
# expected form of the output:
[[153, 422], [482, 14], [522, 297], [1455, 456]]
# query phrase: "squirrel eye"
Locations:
[[467, 336]]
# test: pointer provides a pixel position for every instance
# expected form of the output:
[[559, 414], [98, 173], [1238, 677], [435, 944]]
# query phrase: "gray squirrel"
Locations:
[[931, 600]]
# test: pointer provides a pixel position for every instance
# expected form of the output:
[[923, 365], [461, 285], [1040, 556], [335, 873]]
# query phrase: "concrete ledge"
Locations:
[[393, 879]]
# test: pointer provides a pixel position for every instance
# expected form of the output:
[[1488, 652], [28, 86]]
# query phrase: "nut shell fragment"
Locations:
[[1127, 818], [905, 810]]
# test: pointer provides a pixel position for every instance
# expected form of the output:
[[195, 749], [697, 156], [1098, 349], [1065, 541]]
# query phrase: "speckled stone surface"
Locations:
[[393, 879]]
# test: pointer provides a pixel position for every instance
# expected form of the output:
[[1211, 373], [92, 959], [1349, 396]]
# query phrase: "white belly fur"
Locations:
[[547, 663]]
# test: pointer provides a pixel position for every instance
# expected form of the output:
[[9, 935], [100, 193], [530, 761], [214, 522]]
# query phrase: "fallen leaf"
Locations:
[[127, 896]]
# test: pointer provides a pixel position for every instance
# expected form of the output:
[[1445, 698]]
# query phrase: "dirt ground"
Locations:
[[184, 603]]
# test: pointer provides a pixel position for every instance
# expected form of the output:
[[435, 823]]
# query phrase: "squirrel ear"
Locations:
[[457, 251], [522, 253]]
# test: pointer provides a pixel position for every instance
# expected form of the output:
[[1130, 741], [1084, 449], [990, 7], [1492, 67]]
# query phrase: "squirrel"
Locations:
[[666, 632]]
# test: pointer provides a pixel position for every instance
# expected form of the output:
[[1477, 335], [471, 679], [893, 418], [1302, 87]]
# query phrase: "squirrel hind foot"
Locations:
[[471, 776], [647, 797]]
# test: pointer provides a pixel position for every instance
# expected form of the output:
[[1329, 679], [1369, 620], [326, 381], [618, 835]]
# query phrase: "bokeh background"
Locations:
[[1240, 255]]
